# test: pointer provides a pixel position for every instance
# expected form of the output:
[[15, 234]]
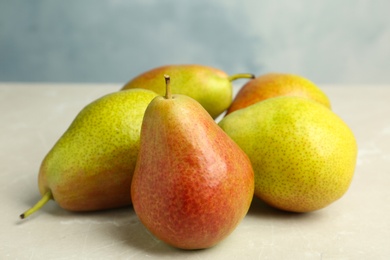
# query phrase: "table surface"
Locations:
[[34, 116]]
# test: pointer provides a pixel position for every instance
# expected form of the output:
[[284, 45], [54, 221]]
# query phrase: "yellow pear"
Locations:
[[92, 164], [302, 153], [211, 87]]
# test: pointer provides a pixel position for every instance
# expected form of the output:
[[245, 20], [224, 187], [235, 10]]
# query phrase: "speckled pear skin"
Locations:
[[274, 85], [91, 165], [209, 86], [192, 184], [302, 153]]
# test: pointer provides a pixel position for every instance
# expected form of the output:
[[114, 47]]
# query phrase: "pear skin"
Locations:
[[274, 85], [211, 87], [91, 165], [302, 153], [192, 184]]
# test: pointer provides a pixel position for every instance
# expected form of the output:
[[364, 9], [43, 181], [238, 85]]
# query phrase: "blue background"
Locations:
[[331, 41]]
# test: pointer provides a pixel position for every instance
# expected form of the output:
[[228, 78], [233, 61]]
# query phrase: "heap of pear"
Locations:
[[190, 180]]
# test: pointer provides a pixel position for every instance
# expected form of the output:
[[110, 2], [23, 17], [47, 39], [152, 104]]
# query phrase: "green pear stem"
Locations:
[[241, 76], [168, 94], [46, 197]]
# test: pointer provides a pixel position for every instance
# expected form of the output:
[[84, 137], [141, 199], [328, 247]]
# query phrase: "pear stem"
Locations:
[[241, 76], [168, 94], [46, 197]]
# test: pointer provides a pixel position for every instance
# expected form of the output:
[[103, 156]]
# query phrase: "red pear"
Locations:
[[275, 85], [192, 184]]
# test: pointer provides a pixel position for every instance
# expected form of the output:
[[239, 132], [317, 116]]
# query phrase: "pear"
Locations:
[[302, 153], [211, 87], [274, 85], [91, 165], [192, 184]]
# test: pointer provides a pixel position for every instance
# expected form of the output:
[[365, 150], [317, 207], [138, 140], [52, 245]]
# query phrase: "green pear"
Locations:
[[209, 86], [192, 184], [302, 153], [274, 85], [91, 165]]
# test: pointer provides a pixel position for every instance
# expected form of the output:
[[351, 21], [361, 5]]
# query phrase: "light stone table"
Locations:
[[33, 116]]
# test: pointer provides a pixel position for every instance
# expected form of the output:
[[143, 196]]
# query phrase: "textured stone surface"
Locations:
[[34, 116]]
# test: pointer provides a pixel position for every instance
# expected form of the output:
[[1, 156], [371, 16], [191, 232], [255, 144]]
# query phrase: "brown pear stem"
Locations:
[[46, 197], [241, 76], [168, 94]]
